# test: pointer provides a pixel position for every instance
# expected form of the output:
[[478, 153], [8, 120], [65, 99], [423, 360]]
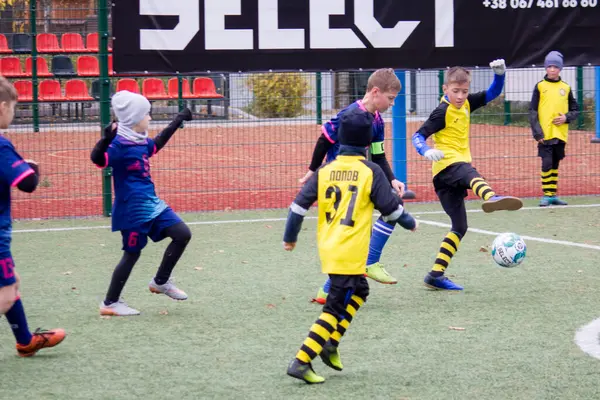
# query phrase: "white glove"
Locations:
[[434, 155], [499, 66]]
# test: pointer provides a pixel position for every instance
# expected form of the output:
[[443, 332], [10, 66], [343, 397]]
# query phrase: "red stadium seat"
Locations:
[[204, 88], [128, 84], [48, 43], [92, 43], [4, 45], [76, 90], [42, 67], [72, 43], [154, 89], [24, 90], [50, 91], [174, 89], [88, 66], [11, 67]]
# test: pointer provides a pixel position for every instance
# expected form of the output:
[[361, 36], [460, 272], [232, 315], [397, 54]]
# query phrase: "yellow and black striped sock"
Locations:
[[351, 309], [481, 188], [319, 334], [550, 182], [448, 248]]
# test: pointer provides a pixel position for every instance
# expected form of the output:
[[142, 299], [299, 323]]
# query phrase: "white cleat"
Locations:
[[118, 309], [168, 289]]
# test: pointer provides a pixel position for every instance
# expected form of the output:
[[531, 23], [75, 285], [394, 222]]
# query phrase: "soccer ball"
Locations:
[[508, 250]]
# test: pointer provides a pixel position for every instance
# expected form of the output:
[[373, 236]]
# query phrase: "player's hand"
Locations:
[[561, 119], [110, 131], [186, 114], [289, 246], [541, 141], [398, 187], [306, 177], [34, 166], [434, 155], [498, 66]]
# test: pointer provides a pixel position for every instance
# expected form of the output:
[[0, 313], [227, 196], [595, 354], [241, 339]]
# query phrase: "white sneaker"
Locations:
[[118, 309], [169, 289]]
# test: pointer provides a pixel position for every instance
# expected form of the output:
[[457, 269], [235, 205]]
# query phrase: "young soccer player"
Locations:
[[453, 173], [552, 107], [24, 175], [382, 88], [137, 211], [347, 189]]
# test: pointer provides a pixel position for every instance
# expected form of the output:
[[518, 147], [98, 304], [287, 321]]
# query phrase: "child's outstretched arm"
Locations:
[[298, 209], [435, 123], [98, 155], [163, 137], [480, 99], [324, 143], [390, 205], [534, 121]]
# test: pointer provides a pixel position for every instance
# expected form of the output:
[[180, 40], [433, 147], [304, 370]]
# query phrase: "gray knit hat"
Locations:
[[554, 58], [130, 108]]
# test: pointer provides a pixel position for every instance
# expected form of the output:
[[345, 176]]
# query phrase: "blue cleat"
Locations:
[[440, 283], [557, 202], [499, 203], [545, 201]]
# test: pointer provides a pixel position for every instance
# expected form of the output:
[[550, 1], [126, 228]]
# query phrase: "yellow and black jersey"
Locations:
[[549, 100], [449, 127], [347, 190]]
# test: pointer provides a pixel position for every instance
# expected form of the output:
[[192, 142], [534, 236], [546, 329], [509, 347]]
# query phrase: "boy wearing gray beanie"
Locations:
[[552, 107], [137, 211]]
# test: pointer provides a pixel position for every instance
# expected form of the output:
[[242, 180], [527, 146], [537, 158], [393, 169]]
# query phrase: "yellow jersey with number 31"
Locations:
[[345, 215]]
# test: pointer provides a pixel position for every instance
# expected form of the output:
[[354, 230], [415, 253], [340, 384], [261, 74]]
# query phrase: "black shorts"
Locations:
[[341, 290], [554, 152], [452, 183]]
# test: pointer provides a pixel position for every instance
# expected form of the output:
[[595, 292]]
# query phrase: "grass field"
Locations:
[[249, 311]]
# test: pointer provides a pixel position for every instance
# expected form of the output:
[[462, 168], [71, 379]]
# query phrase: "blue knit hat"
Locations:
[[554, 58], [356, 128]]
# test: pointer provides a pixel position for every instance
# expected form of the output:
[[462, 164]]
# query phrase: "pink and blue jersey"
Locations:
[[136, 201], [330, 130], [13, 169]]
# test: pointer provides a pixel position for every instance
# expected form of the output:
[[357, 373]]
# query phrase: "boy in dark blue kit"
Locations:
[[137, 212], [24, 175]]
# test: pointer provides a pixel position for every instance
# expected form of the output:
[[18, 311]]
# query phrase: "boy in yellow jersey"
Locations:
[[552, 108], [348, 189], [453, 173]]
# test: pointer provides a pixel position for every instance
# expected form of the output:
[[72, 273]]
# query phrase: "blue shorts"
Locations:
[[134, 240], [7, 270]]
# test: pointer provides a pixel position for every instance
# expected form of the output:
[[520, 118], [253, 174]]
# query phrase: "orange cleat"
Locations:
[[41, 338]]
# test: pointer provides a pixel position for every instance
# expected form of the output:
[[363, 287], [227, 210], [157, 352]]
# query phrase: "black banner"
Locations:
[[188, 36]]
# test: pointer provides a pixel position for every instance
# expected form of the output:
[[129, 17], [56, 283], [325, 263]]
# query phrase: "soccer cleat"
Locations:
[[378, 273], [168, 289], [557, 202], [440, 283], [545, 201], [303, 372], [118, 309], [331, 357], [40, 339], [499, 203], [321, 297]]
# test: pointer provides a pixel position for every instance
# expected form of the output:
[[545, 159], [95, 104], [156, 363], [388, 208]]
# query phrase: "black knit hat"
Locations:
[[356, 128]]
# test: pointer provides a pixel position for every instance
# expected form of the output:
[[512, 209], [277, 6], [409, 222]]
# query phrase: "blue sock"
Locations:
[[379, 237], [327, 286], [18, 323]]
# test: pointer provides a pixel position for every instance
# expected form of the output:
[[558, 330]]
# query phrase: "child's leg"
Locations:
[[379, 236], [492, 202], [549, 176], [356, 300], [120, 277], [558, 154], [180, 235]]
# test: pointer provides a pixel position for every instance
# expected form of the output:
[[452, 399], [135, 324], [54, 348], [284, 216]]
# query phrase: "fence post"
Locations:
[[399, 131], [34, 53], [580, 119], [507, 114], [319, 88], [597, 104], [104, 99], [441, 83]]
